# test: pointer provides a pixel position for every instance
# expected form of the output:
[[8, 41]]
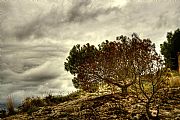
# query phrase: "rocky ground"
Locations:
[[104, 107]]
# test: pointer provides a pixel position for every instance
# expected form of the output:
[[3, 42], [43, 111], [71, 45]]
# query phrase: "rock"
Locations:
[[177, 118], [154, 113]]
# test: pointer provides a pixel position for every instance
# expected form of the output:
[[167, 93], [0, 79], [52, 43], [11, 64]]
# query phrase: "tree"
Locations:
[[170, 49], [116, 63], [77, 57], [151, 87]]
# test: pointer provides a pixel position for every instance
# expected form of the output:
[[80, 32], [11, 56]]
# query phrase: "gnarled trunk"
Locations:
[[149, 114], [148, 111]]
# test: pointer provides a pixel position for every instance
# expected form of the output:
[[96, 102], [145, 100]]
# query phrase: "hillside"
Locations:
[[102, 107]]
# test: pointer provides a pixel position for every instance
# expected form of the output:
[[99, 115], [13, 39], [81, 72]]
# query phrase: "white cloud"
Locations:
[[48, 70]]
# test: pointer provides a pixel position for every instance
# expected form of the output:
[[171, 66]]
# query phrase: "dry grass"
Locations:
[[175, 81], [10, 105], [31, 104]]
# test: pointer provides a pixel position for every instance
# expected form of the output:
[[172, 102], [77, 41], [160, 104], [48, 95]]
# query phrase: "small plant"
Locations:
[[10, 106], [50, 99], [74, 95], [30, 103], [32, 109]]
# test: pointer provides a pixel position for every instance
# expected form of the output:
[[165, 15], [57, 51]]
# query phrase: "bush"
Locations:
[[30, 103], [32, 109], [60, 99]]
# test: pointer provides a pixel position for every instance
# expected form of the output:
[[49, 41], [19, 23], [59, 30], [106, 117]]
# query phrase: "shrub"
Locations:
[[30, 103], [32, 109]]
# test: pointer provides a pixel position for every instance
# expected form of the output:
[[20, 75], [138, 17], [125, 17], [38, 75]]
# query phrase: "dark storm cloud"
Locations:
[[47, 71], [36, 48], [32, 29], [75, 13], [20, 58], [57, 20], [44, 24], [83, 10]]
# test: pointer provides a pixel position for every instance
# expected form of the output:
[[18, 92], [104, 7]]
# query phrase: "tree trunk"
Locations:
[[124, 91], [148, 112]]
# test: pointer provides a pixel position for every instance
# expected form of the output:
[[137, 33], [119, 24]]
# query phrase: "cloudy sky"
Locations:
[[37, 35]]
